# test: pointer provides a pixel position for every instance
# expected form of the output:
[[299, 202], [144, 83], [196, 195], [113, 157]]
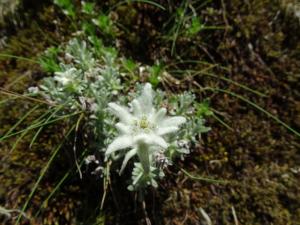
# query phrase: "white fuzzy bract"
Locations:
[[144, 130], [65, 77]]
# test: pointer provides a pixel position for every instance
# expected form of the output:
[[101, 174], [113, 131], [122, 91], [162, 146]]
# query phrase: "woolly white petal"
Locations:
[[146, 99], [63, 80], [128, 156], [121, 112], [173, 121], [119, 143], [158, 117], [59, 73], [150, 139], [137, 111], [166, 130], [159, 141], [142, 139], [122, 128]]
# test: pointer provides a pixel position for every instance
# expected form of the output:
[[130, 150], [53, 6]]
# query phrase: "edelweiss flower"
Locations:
[[65, 77], [144, 130]]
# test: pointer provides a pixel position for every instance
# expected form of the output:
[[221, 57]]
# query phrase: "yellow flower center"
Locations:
[[143, 123]]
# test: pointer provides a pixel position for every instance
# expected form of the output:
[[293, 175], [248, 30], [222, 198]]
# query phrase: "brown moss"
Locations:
[[258, 157]]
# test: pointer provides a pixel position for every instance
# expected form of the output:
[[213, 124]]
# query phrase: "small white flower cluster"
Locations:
[[83, 80], [145, 133], [65, 77]]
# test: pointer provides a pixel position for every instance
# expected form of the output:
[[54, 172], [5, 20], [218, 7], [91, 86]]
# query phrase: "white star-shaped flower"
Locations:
[[144, 129]]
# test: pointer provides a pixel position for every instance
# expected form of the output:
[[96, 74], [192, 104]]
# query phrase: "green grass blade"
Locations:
[[75, 143], [42, 174], [143, 1], [233, 82], [58, 185], [14, 97], [41, 128], [7, 99], [221, 121], [179, 25], [259, 108], [21, 120], [106, 181], [52, 193], [25, 132], [27, 97], [2, 55], [203, 178], [38, 125], [195, 73], [17, 142], [190, 61]]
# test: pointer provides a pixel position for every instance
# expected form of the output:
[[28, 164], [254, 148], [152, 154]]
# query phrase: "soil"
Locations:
[[256, 45]]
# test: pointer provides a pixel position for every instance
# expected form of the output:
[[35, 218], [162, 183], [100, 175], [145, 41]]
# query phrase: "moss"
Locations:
[[20, 169], [258, 158], [8, 8]]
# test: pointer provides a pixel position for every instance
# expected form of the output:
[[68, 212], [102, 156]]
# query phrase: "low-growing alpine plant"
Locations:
[[145, 132], [145, 129]]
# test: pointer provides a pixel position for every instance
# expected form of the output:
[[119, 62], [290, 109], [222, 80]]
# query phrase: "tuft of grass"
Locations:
[[275, 118], [42, 173], [4, 56], [39, 119], [53, 114], [59, 184], [24, 96], [38, 125], [21, 120]]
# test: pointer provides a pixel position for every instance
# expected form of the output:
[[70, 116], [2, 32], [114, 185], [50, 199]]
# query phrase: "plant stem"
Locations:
[[143, 154]]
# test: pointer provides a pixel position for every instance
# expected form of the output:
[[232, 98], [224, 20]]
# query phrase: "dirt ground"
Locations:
[[258, 46]]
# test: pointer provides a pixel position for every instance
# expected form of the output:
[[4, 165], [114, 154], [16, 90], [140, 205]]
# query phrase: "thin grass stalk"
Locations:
[[42, 174]]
